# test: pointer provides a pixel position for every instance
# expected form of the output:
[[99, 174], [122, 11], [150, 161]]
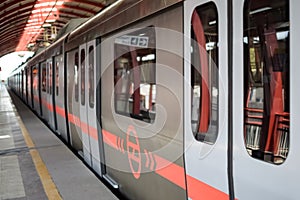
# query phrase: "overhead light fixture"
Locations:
[[46, 25], [260, 10], [4, 136], [50, 20], [212, 22]]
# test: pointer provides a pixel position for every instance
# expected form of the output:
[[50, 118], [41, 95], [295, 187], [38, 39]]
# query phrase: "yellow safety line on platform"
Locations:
[[49, 187]]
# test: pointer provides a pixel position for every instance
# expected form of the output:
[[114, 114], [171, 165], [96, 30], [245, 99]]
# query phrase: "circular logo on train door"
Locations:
[[134, 152]]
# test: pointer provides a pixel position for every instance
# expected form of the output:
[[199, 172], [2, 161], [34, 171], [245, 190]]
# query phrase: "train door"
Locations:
[[265, 112], [44, 90], [50, 92], [73, 100], [91, 82], [59, 96], [83, 77], [206, 99]]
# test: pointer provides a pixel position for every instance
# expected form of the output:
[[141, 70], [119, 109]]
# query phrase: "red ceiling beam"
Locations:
[[15, 11], [62, 12], [91, 3], [71, 7], [19, 23]]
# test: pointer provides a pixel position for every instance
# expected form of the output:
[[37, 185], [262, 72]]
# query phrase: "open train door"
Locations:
[[205, 102], [266, 108]]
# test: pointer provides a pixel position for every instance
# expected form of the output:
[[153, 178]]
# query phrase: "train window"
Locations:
[[50, 78], [76, 77], [91, 77], [204, 73], [57, 77], [266, 80], [82, 64], [134, 75], [44, 86], [35, 80], [47, 78]]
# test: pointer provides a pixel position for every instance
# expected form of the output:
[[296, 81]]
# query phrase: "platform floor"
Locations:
[[35, 164]]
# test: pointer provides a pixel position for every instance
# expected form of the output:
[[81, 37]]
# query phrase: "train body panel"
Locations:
[[206, 150], [50, 98], [59, 96], [147, 128], [83, 79], [45, 91], [178, 99], [73, 100], [270, 172]]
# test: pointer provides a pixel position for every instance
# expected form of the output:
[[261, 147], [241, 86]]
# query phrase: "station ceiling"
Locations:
[[28, 24]]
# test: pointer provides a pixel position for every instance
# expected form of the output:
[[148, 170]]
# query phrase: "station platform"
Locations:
[[35, 164]]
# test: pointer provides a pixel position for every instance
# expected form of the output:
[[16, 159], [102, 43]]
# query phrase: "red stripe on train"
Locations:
[[170, 171], [175, 174], [200, 190], [85, 128], [110, 139]]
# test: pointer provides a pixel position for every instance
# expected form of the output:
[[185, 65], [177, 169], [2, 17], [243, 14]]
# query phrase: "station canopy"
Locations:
[[29, 24]]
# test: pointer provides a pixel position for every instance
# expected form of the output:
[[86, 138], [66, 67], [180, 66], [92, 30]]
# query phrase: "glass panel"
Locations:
[[204, 73], [57, 77], [35, 82], [76, 69], [50, 78], [44, 85], [82, 64], [134, 75], [266, 79], [91, 77]]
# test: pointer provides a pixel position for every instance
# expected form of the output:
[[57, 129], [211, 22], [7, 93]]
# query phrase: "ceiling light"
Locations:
[[46, 25], [260, 10]]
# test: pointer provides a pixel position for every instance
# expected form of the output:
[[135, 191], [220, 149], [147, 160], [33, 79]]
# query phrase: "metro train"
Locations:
[[175, 99]]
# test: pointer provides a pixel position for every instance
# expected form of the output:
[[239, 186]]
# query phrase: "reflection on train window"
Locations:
[[76, 76], [44, 85], [82, 73], [91, 77], [134, 75], [266, 80], [204, 73]]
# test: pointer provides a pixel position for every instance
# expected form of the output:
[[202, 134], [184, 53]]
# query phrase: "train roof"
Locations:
[[118, 15]]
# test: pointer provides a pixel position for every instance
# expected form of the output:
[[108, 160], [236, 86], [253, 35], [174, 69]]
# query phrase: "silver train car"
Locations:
[[176, 99]]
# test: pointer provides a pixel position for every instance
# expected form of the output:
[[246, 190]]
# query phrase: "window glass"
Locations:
[[50, 78], [76, 77], [204, 73], [266, 79], [44, 85], [134, 75], [57, 76], [35, 80], [82, 73], [91, 77]]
